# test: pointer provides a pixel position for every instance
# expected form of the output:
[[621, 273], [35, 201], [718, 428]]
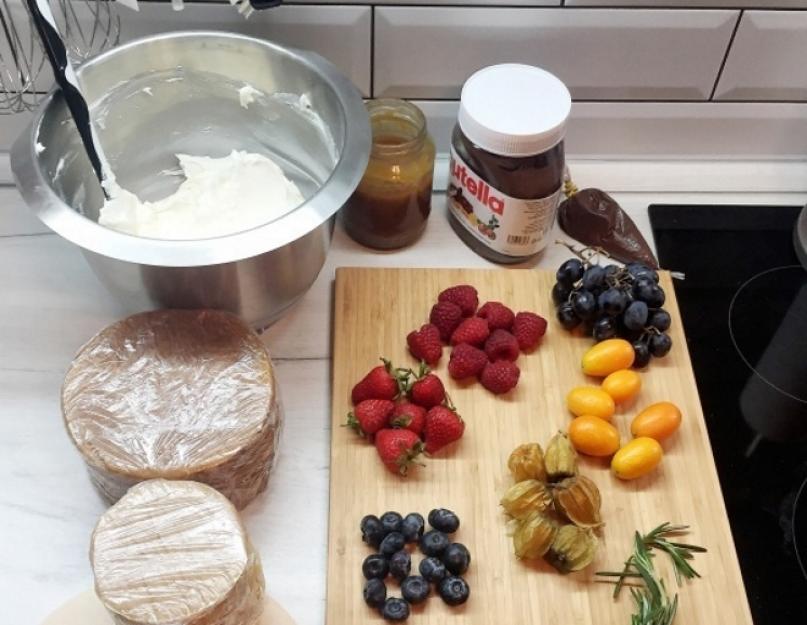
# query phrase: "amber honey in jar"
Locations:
[[390, 206]]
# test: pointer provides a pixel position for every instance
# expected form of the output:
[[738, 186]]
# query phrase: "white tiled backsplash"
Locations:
[[666, 78]]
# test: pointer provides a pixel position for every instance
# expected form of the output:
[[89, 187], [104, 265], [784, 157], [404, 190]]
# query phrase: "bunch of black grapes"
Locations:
[[609, 301]]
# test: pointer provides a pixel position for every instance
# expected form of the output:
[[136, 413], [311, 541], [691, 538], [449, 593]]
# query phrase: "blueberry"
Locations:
[[412, 527], [594, 278], [432, 569], [660, 319], [372, 532], [415, 589], [433, 543], [375, 566], [454, 590], [570, 272], [656, 298], [612, 301], [457, 558], [584, 304], [400, 564], [444, 520], [375, 592], [392, 542], [641, 354], [560, 293], [635, 317], [660, 345], [395, 609], [391, 521], [567, 317], [604, 328], [611, 271]]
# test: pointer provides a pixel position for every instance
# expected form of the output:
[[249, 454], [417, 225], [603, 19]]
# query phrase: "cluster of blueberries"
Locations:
[[443, 564]]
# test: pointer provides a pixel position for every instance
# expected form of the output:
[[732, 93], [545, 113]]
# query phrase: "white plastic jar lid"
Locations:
[[514, 109]]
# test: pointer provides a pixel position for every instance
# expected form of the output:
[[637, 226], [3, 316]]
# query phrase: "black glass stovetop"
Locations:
[[744, 308]]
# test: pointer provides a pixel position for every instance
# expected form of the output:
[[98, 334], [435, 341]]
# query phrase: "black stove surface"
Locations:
[[744, 309]]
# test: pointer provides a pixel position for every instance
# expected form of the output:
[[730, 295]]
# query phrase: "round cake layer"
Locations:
[[178, 394], [175, 552]]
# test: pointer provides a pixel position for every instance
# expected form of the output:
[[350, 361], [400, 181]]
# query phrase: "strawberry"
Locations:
[[446, 316], [443, 426], [528, 329], [379, 383], [500, 376], [427, 390], [501, 345], [498, 316], [398, 449], [463, 295], [473, 330], [466, 361], [370, 416], [425, 344], [408, 416]]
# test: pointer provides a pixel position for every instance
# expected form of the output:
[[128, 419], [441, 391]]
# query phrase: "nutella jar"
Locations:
[[506, 170]]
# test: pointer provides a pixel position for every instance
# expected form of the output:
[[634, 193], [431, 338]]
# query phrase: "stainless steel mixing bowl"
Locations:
[[179, 93]]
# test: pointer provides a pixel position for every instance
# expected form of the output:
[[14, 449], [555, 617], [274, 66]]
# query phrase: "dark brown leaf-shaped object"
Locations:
[[594, 218]]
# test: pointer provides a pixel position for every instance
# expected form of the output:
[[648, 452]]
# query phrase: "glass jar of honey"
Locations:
[[390, 206]]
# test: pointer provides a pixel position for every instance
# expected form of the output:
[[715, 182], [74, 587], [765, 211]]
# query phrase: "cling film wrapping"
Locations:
[[176, 553], [175, 394]]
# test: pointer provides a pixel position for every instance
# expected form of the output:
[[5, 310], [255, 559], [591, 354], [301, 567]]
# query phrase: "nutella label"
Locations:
[[507, 225]]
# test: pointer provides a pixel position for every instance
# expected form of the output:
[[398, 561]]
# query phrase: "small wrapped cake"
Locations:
[[175, 553], [175, 394]]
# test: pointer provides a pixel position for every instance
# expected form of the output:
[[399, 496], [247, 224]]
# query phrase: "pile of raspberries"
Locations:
[[485, 340]]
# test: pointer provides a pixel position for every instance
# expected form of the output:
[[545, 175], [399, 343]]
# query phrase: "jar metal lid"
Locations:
[[514, 109]]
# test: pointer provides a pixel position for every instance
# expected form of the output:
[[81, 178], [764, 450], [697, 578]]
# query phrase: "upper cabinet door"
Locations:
[[601, 54], [768, 59]]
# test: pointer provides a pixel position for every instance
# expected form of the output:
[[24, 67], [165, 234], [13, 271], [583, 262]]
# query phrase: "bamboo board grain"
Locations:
[[374, 310]]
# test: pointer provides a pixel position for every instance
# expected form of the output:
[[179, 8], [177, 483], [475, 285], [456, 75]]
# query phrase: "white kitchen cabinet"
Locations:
[[768, 60], [620, 54], [339, 33]]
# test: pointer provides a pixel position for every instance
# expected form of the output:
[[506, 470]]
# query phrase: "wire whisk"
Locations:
[[87, 27]]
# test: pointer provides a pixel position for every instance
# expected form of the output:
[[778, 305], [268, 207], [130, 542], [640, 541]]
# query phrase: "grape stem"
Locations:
[[586, 254]]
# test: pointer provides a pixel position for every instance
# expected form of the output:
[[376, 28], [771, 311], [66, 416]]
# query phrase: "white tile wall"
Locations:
[[716, 4], [756, 131], [600, 54], [768, 59], [339, 33], [616, 55]]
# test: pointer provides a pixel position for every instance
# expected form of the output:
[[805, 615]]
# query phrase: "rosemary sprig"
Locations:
[[653, 603]]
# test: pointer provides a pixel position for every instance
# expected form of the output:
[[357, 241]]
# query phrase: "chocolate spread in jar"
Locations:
[[507, 161]]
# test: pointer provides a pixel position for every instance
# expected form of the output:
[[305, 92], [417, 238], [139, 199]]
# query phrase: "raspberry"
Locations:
[[463, 295], [473, 330], [500, 376], [501, 345], [446, 316], [466, 361], [499, 316], [425, 343], [528, 329]]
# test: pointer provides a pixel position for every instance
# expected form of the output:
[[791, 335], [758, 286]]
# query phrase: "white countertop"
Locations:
[[52, 304]]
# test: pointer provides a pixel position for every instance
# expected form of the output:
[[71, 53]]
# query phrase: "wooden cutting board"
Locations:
[[374, 310]]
